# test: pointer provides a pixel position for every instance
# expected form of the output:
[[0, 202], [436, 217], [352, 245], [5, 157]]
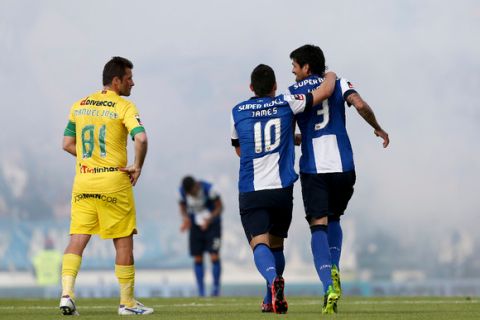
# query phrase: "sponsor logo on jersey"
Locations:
[[97, 103], [299, 96], [312, 82], [86, 169], [81, 196], [255, 106]]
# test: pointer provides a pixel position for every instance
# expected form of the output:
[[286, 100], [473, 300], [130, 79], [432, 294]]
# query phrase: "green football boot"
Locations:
[[337, 286], [330, 301]]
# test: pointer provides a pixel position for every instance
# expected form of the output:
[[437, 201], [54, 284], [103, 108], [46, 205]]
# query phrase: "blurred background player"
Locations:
[[262, 134], [102, 196], [47, 264], [201, 209], [327, 171]]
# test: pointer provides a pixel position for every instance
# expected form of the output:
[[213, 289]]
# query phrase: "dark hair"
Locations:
[[188, 183], [115, 68], [262, 80], [312, 55]]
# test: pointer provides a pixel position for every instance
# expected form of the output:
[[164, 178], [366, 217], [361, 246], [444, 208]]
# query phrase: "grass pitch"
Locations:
[[249, 308]]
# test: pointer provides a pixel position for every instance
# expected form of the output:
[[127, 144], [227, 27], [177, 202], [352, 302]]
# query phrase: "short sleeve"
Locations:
[[70, 130], [347, 88], [298, 102], [132, 120]]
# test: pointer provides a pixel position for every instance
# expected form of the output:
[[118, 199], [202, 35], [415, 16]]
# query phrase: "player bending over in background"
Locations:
[[262, 134], [201, 207], [327, 172], [102, 195]]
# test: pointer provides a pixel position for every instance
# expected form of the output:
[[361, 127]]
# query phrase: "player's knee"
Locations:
[[198, 259], [276, 242], [318, 227], [260, 239], [318, 221], [214, 257]]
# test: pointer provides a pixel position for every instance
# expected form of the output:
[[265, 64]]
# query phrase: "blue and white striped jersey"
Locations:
[[325, 143], [205, 200], [263, 128]]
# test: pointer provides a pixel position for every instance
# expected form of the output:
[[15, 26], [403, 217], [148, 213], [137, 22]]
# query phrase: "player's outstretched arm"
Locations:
[[141, 145], [326, 88], [70, 145], [367, 113]]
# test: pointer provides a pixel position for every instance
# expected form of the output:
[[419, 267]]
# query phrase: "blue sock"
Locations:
[[198, 268], [280, 266], [265, 262], [321, 255], [279, 260], [335, 237], [216, 271]]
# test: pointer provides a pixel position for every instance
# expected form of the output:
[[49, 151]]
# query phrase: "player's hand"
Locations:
[[186, 225], [382, 134], [133, 172], [298, 139], [204, 226]]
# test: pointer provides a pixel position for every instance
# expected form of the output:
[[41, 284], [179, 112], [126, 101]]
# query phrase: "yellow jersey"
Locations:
[[101, 123]]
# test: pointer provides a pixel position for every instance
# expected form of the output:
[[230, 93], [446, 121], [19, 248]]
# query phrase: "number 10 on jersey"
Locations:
[[266, 138]]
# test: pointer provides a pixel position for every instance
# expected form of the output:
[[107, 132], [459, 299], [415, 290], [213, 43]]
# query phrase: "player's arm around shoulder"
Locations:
[[367, 113], [325, 90]]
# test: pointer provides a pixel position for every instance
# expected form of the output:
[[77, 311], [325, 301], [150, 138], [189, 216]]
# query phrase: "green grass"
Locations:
[[249, 308]]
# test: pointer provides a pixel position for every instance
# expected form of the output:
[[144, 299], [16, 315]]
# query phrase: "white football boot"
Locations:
[[139, 310], [67, 306]]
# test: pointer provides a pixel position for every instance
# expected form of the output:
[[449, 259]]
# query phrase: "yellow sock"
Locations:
[[126, 279], [70, 266]]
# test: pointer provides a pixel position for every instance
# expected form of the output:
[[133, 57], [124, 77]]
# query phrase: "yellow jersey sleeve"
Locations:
[[70, 130], [132, 121]]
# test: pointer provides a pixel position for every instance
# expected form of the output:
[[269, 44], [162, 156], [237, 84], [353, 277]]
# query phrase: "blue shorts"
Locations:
[[326, 194], [266, 211], [205, 241]]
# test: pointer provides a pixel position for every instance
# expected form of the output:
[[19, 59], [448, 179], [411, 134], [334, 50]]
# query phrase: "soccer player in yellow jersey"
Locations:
[[102, 195]]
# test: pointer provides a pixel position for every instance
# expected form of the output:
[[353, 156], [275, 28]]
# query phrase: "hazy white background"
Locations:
[[416, 62]]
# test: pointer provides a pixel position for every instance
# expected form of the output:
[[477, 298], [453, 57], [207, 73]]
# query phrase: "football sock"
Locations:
[[335, 237], [126, 279], [280, 266], [279, 260], [198, 268], [265, 262], [216, 271], [321, 255], [70, 266]]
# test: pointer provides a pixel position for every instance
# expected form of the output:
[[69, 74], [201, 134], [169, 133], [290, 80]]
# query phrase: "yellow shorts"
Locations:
[[110, 215]]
